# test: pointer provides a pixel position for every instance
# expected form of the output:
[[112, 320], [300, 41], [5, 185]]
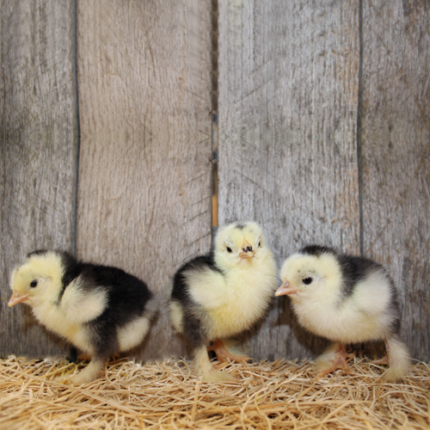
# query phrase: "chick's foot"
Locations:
[[74, 380], [222, 354], [91, 372], [205, 368], [332, 359], [218, 376]]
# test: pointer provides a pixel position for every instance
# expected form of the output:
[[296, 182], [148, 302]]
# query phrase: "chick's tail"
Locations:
[[399, 359], [205, 368]]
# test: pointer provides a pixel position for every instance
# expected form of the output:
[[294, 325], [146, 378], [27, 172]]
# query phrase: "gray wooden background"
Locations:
[[112, 112]]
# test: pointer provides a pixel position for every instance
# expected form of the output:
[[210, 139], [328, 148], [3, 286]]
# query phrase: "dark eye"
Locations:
[[259, 243], [307, 280], [33, 284], [229, 249]]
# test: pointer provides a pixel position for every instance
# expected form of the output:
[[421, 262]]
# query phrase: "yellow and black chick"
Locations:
[[222, 294], [99, 309], [346, 299]]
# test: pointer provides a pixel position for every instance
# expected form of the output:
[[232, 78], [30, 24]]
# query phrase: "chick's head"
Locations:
[[240, 244], [307, 277], [37, 281]]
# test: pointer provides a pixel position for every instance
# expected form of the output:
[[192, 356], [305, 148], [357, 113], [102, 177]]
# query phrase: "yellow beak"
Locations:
[[285, 289], [245, 255], [17, 298]]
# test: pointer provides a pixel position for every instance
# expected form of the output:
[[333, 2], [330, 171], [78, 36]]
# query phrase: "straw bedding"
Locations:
[[166, 395]]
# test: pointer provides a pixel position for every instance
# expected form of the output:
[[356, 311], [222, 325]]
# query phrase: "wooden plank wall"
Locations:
[[38, 151], [145, 165], [291, 95], [323, 136], [288, 84], [396, 154]]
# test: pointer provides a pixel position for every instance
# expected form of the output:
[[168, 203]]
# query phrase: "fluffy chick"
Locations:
[[346, 299], [101, 310], [222, 294]]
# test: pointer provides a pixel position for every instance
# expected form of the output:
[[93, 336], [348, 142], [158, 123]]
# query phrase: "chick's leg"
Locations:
[[222, 354], [205, 368], [333, 358]]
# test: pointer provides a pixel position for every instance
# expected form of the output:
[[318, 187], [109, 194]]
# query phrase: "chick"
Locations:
[[99, 309], [222, 294], [346, 299]]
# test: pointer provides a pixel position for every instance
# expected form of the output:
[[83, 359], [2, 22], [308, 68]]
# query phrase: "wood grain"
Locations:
[[288, 92], [396, 155], [145, 165], [38, 151]]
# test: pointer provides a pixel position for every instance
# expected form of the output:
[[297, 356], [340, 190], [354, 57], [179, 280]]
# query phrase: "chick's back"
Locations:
[[129, 307]]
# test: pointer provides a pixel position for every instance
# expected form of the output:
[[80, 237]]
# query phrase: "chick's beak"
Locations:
[[17, 298], [244, 255], [247, 251], [285, 289]]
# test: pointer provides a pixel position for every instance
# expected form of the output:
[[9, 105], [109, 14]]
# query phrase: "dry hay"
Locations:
[[166, 395]]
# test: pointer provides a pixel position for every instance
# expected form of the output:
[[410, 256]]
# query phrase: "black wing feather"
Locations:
[[193, 327]]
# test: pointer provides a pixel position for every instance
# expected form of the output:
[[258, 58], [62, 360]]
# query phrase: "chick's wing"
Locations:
[[82, 304], [207, 287]]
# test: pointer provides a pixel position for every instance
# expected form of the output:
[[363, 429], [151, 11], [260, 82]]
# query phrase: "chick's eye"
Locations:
[[259, 243], [307, 280], [33, 284], [229, 249]]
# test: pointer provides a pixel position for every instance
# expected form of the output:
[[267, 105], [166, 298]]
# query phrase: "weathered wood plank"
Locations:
[[145, 160], [396, 155], [288, 91], [38, 151]]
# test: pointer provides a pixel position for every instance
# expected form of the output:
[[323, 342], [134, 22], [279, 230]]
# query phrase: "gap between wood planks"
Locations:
[[214, 101]]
